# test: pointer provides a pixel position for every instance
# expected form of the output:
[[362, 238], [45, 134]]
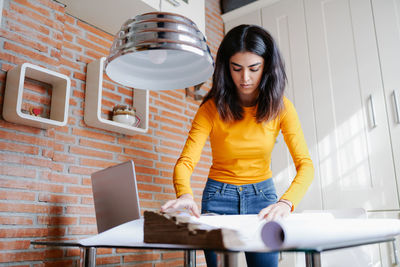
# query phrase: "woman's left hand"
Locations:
[[275, 211]]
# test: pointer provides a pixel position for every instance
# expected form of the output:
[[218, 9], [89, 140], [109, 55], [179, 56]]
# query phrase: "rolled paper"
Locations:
[[324, 233]]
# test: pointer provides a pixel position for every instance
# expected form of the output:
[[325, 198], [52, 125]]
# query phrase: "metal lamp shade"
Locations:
[[159, 51]]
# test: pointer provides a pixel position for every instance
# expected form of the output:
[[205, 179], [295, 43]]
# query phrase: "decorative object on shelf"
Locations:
[[93, 96], [159, 51], [35, 111], [124, 114], [13, 95]]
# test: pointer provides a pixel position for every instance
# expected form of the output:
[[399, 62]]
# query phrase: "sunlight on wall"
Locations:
[[346, 147]]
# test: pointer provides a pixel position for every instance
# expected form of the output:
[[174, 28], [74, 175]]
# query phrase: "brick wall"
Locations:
[[45, 187]]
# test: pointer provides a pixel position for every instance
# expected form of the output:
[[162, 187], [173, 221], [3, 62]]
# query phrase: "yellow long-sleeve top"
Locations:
[[241, 150]]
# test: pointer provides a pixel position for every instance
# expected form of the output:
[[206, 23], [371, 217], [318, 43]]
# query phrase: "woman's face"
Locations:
[[246, 71]]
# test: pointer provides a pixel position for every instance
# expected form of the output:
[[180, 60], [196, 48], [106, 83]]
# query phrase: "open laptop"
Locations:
[[115, 195]]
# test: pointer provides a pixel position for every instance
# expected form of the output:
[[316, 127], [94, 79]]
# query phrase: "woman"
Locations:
[[243, 114]]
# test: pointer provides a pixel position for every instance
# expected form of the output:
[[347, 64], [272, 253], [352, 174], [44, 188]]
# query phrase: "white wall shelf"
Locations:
[[93, 96], [14, 93]]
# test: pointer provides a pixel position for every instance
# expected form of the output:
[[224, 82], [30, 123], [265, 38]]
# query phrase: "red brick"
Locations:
[[93, 135], [66, 158], [47, 21], [96, 163], [34, 26], [100, 41], [30, 54], [82, 230], [74, 47], [137, 161], [145, 170], [56, 231], [169, 152], [15, 220], [45, 197], [107, 260], [23, 232], [12, 36], [148, 187], [95, 31], [81, 170], [168, 106], [172, 255], [87, 200], [19, 148], [141, 257], [21, 256], [57, 220], [103, 251], [89, 152], [37, 8], [14, 245], [54, 253], [87, 220], [80, 210], [140, 153], [71, 252], [81, 190], [168, 121], [89, 45], [99, 145], [17, 195]]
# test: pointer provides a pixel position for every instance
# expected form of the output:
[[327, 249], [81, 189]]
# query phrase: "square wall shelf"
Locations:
[[14, 92], [93, 96]]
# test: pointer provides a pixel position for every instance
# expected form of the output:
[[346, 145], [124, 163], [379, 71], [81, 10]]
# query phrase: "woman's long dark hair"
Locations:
[[254, 39]]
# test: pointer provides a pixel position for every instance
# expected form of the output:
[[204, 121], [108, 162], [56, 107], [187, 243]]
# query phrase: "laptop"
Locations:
[[115, 195]]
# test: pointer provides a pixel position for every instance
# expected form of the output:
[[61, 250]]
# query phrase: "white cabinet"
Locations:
[[387, 21], [110, 15], [354, 146], [342, 59], [288, 28]]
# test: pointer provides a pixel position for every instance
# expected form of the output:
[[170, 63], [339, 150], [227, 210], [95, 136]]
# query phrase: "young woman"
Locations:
[[242, 115]]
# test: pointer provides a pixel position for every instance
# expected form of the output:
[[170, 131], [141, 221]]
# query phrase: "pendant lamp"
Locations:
[[159, 51]]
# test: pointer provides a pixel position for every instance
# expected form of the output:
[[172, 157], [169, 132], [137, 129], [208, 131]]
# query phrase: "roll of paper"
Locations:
[[323, 233]]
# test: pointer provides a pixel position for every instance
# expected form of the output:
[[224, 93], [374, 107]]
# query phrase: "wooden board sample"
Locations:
[[175, 229]]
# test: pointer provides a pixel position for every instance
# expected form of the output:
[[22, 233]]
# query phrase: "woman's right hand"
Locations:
[[185, 202]]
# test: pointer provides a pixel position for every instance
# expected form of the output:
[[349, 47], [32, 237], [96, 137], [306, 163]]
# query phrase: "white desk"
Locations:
[[313, 256], [130, 235]]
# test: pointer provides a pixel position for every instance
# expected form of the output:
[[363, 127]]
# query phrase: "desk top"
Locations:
[[130, 235]]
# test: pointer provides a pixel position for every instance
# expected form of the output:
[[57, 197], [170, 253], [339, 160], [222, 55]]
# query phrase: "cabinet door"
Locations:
[[354, 147], [286, 23], [387, 23]]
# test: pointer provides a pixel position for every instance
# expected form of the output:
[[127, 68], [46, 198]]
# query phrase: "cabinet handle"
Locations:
[[371, 104], [396, 106], [396, 259]]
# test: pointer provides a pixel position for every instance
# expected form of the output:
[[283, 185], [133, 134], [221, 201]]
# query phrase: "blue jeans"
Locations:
[[224, 198]]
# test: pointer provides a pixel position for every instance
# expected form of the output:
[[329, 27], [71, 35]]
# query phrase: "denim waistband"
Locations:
[[246, 187]]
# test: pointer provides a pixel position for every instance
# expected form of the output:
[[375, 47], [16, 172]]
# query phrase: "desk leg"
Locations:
[[313, 259], [88, 257], [190, 258], [230, 259]]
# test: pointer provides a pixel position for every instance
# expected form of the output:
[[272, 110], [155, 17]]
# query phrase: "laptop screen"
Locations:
[[115, 195]]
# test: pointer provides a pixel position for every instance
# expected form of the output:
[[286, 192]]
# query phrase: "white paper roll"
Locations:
[[303, 233]]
